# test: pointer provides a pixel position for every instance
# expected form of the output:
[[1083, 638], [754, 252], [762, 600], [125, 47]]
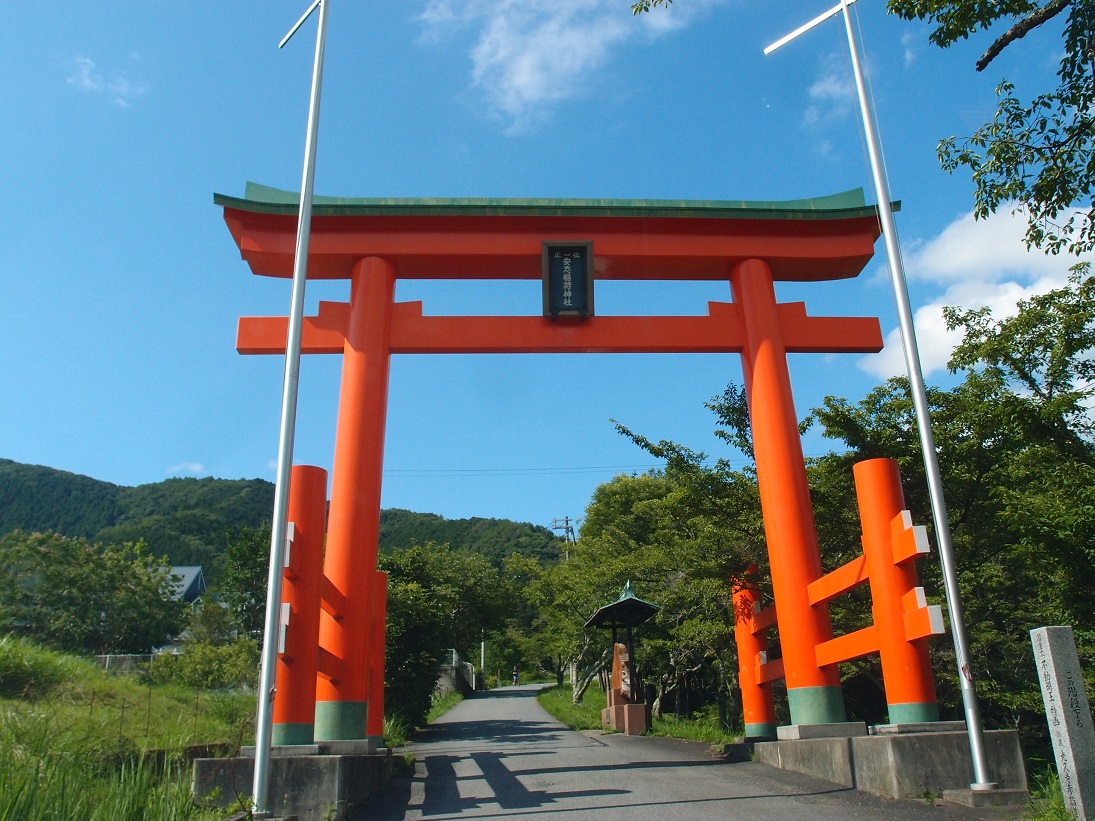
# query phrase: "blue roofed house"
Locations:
[[191, 583]]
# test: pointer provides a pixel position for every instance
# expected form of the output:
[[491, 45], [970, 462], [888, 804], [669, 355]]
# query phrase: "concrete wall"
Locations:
[[910, 765], [457, 678], [312, 787]]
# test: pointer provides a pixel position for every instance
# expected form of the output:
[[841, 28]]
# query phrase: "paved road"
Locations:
[[499, 755]]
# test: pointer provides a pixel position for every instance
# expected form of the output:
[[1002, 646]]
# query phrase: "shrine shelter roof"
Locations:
[[824, 238]]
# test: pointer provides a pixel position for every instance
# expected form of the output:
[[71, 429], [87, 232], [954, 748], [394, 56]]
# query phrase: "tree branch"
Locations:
[[1020, 29]]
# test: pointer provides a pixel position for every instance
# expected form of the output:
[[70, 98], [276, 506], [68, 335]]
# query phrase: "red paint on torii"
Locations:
[[749, 245]]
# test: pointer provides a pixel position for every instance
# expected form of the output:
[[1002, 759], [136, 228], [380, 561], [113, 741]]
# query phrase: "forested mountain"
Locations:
[[188, 519], [184, 519], [493, 538]]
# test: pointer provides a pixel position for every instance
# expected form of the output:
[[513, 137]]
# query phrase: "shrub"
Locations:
[[208, 666], [26, 670]]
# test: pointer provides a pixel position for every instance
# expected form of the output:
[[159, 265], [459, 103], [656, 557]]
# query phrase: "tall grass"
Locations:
[[441, 703], [559, 702], [1050, 802], [699, 728], [76, 742], [50, 772]]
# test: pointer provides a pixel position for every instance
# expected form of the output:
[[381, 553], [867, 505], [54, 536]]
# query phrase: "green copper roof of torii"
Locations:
[[266, 200]]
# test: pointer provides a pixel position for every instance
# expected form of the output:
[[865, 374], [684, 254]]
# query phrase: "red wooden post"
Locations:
[[756, 695], [813, 691], [295, 701], [374, 724], [902, 622], [354, 526]]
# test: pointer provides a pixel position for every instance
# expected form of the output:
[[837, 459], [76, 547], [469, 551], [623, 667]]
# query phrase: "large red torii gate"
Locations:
[[373, 242]]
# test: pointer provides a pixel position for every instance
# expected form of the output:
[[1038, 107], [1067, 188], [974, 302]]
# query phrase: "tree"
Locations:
[[76, 596], [243, 578], [1037, 154], [681, 536], [646, 5], [438, 599], [1040, 367]]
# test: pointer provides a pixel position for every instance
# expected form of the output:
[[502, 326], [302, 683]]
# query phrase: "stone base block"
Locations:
[[310, 787], [630, 719], [829, 759], [911, 765], [843, 729], [988, 798], [919, 727], [356, 746], [636, 719], [906, 764]]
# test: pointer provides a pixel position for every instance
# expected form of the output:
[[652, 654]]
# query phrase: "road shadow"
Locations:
[[433, 790], [514, 731]]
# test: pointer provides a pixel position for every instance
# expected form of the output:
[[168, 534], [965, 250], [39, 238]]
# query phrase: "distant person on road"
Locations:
[[516, 676]]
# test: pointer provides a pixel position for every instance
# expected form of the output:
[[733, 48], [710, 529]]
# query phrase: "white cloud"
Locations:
[[978, 263], [117, 87], [983, 250], [531, 54], [187, 467], [831, 95], [908, 40]]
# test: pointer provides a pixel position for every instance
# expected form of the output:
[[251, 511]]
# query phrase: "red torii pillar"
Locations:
[[813, 691], [353, 528]]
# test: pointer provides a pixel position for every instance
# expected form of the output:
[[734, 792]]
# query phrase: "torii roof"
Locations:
[[830, 237]]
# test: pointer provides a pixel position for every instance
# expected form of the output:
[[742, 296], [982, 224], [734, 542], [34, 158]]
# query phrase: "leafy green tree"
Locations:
[[681, 536], [438, 599], [211, 622], [1037, 154], [544, 635], [76, 596], [244, 571]]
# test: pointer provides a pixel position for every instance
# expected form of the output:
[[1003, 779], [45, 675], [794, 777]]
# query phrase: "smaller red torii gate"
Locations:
[[374, 242]]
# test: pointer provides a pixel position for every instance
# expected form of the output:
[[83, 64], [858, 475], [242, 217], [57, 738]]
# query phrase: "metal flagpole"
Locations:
[[920, 397], [272, 626]]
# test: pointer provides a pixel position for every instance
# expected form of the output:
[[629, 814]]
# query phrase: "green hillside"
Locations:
[[36, 498], [187, 520], [493, 538]]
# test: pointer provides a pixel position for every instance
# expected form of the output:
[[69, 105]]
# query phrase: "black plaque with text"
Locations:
[[568, 278]]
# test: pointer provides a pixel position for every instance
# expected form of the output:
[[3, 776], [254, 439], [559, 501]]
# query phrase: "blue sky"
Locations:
[[120, 285]]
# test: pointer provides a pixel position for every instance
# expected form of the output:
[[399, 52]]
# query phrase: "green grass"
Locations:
[[1049, 803], [559, 703], [79, 696], [702, 727], [52, 771], [441, 704], [395, 731], [587, 716], [77, 742]]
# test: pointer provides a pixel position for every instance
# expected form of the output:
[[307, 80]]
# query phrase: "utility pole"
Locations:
[[567, 527]]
